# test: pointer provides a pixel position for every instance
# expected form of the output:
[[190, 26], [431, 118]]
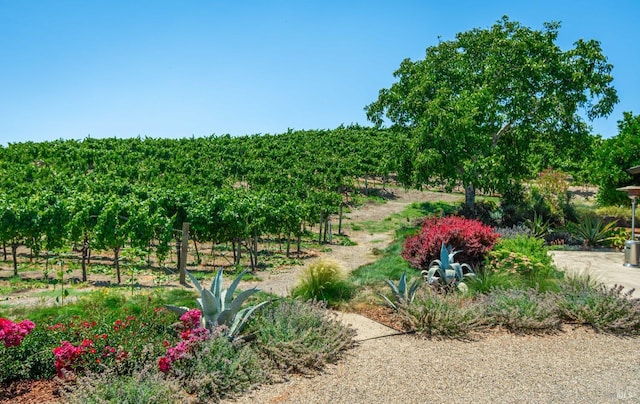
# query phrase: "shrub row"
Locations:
[[118, 359], [579, 301]]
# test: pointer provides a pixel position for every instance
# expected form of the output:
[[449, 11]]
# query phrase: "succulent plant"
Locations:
[[401, 294], [445, 274], [219, 307]]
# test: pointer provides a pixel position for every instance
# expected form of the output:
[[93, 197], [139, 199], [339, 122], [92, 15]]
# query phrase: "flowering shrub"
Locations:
[[126, 342], [192, 334], [67, 355], [525, 260], [472, 238], [12, 333]]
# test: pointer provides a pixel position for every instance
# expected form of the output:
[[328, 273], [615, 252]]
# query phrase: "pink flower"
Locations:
[[66, 355], [12, 334], [192, 318]]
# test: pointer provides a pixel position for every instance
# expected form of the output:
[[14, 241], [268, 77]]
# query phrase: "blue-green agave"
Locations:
[[445, 274], [219, 307], [401, 293]]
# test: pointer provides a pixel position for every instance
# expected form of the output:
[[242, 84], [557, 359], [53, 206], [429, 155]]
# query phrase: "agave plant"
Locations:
[[538, 227], [219, 307], [445, 274], [592, 231], [401, 294]]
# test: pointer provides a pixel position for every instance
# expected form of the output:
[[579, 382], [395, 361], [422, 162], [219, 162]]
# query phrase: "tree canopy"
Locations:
[[477, 108], [612, 160]]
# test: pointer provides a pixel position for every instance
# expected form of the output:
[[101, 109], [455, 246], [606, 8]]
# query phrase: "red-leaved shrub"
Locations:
[[472, 238]]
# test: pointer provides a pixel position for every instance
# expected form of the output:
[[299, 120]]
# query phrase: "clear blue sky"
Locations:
[[76, 68]]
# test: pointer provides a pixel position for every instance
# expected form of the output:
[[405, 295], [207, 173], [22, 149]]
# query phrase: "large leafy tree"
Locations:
[[612, 160], [477, 108]]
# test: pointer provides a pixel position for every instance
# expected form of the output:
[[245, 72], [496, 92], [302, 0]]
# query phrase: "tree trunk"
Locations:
[[238, 255], [469, 196], [195, 245], [340, 220], [320, 229], [116, 260], [85, 252], [288, 243], [233, 249], [14, 254], [4, 250]]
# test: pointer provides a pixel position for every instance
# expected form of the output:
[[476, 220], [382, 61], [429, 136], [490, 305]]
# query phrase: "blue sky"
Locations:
[[71, 69]]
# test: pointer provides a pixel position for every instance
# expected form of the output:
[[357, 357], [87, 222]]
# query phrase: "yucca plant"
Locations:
[[592, 231], [401, 293], [445, 274], [219, 307]]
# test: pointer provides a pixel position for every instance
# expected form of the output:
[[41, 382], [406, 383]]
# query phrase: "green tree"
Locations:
[[613, 158], [478, 107]]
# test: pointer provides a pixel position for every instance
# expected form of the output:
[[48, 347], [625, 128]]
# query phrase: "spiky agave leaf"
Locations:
[[412, 290], [195, 281], [444, 256], [232, 288], [402, 284], [242, 317], [389, 302], [210, 306], [179, 310], [216, 285], [394, 288]]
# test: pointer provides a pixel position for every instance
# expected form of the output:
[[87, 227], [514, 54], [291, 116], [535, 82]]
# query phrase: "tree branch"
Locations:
[[505, 128]]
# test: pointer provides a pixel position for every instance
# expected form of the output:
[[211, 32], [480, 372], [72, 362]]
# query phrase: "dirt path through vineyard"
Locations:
[[353, 257]]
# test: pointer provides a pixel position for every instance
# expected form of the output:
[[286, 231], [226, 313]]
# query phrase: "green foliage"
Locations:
[[583, 300], [402, 294], [613, 158], [145, 386], [526, 261], [538, 227], [620, 213], [593, 231], [124, 193], [132, 325], [221, 368], [486, 281], [444, 274], [471, 120], [618, 238], [299, 337], [219, 306], [441, 316], [323, 280], [554, 189], [521, 310], [32, 359]]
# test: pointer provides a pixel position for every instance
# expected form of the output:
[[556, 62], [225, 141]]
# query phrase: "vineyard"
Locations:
[[130, 197]]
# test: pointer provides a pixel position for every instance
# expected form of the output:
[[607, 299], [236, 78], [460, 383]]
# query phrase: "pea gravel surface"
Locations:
[[572, 366]]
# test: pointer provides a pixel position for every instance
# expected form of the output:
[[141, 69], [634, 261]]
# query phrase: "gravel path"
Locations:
[[576, 366]]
